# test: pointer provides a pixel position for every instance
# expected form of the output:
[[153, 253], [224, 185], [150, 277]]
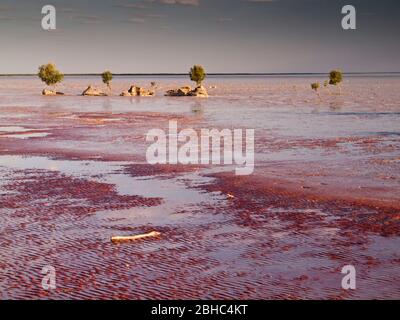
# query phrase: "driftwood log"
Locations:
[[136, 237]]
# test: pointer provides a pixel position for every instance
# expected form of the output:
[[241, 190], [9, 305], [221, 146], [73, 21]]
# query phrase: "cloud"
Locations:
[[5, 8], [136, 20], [143, 4], [155, 15], [67, 10], [261, 1], [86, 19], [6, 18], [142, 17], [178, 2], [131, 5], [222, 20]]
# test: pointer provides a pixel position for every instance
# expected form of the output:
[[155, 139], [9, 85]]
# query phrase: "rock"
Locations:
[[140, 91], [47, 92], [145, 93], [171, 93], [200, 91], [181, 92], [187, 91], [184, 91], [137, 91], [91, 91], [133, 91]]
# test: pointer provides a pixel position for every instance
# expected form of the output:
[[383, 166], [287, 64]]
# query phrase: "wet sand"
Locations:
[[324, 194]]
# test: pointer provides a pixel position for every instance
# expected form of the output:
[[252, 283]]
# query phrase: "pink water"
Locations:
[[324, 194]]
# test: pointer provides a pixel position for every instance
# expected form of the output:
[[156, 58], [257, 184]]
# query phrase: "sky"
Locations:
[[169, 36]]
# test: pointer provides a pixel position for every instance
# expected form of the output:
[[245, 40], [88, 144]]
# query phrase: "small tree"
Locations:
[[49, 74], [197, 74], [315, 86], [335, 78], [107, 77]]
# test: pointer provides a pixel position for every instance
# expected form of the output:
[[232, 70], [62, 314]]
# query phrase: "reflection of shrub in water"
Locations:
[[107, 104], [197, 108], [336, 105]]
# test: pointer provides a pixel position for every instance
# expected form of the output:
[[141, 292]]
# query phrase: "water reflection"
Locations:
[[198, 108], [336, 104], [135, 100], [107, 105]]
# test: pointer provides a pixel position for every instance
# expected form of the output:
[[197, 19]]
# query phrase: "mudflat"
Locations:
[[325, 192]]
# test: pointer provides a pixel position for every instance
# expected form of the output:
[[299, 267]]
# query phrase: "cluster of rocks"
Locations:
[[187, 91], [134, 91], [137, 92]]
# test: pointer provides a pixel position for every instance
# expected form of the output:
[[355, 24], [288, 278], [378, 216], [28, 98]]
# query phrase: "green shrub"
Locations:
[[335, 77], [315, 86], [197, 74], [107, 78], [49, 74]]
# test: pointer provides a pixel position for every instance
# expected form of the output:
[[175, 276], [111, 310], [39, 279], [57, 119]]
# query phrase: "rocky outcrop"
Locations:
[[187, 91], [129, 93], [47, 92], [199, 91], [147, 93], [181, 92], [91, 91], [137, 92]]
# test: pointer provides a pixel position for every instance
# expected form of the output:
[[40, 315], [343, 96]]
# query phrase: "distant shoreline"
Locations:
[[209, 74]]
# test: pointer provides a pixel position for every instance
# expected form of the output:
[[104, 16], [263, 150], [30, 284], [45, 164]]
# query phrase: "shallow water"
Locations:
[[79, 176], [285, 105]]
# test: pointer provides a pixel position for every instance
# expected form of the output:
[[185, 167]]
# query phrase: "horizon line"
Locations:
[[209, 74]]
